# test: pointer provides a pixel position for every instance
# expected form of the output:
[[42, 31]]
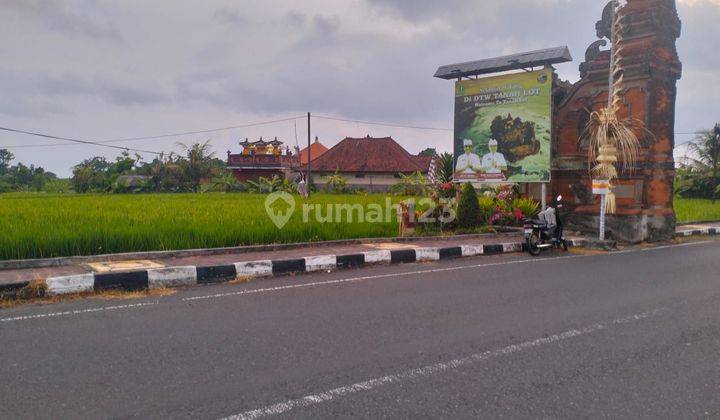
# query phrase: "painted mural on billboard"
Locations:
[[502, 128]]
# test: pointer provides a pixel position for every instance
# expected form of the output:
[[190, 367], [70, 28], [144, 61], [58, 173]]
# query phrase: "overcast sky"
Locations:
[[104, 70]]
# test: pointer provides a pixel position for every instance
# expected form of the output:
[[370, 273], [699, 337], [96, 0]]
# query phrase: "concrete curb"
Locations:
[[152, 255], [698, 232], [193, 275]]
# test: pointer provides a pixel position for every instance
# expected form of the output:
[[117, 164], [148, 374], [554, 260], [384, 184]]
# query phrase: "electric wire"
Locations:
[[414, 127], [49, 136], [106, 143]]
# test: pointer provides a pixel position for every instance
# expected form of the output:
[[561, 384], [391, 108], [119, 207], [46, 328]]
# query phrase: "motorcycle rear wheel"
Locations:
[[532, 244]]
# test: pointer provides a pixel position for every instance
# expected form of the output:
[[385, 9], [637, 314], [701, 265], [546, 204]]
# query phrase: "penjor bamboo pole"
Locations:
[[611, 82], [611, 79]]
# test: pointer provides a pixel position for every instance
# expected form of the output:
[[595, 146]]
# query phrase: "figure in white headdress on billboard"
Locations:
[[494, 162], [469, 162]]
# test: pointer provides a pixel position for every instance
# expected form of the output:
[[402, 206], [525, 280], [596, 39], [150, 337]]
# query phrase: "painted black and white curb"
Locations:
[[698, 232], [193, 275]]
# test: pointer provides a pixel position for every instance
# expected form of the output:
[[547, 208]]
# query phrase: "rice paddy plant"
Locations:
[[45, 225], [696, 210]]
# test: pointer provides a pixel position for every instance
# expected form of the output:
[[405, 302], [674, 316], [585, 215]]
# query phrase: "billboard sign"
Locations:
[[502, 128]]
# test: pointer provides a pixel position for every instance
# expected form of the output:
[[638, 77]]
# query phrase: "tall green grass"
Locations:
[[696, 210], [44, 225]]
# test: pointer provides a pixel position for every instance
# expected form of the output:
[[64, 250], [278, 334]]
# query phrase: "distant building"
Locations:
[[261, 159], [373, 164], [317, 149]]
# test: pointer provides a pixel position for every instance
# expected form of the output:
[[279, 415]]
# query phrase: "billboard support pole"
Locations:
[[543, 194], [602, 216]]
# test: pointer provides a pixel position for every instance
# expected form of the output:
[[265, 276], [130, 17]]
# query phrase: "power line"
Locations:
[[105, 143], [384, 124], [161, 136], [48, 136], [429, 128]]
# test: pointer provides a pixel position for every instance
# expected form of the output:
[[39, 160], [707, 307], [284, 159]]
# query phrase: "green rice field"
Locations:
[[44, 225], [696, 210]]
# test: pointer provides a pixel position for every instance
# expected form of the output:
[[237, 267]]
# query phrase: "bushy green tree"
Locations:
[[165, 173], [5, 158], [706, 151], [430, 151], [91, 175], [20, 177], [5, 185], [468, 213]]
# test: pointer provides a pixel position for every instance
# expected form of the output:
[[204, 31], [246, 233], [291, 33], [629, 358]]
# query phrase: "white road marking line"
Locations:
[[425, 371], [77, 312], [379, 276], [677, 246]]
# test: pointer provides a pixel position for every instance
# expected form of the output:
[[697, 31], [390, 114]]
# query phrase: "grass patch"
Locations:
[[46, 225], [696, 210]]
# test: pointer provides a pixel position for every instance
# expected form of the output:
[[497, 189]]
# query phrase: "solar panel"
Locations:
[[509, 62]]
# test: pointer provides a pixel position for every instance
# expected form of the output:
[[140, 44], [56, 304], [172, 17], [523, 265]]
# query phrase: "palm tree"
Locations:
[[198, 163], [706, 148]]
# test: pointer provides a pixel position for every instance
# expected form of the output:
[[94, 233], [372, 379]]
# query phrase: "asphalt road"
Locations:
[[626, 335]]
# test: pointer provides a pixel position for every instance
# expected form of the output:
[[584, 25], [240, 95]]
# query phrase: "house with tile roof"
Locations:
[[372, 164], [316, 148]]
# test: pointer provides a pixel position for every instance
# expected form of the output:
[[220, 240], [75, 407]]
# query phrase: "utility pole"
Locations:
[[308, 156]]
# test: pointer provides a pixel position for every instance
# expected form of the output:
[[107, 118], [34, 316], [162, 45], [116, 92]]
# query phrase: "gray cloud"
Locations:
[[31, 95], [106, 90], [187, 65], [231, 16], [295, 19], [85, 19], [417, 10]]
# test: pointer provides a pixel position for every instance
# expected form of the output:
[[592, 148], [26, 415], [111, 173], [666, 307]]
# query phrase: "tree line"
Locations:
[[185, 172], [19, 177], [698, 174], [190, 171], [197, 169], [194, 169]]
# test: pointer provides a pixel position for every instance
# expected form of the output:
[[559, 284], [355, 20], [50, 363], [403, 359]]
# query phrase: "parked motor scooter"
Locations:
[[546, 231]]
